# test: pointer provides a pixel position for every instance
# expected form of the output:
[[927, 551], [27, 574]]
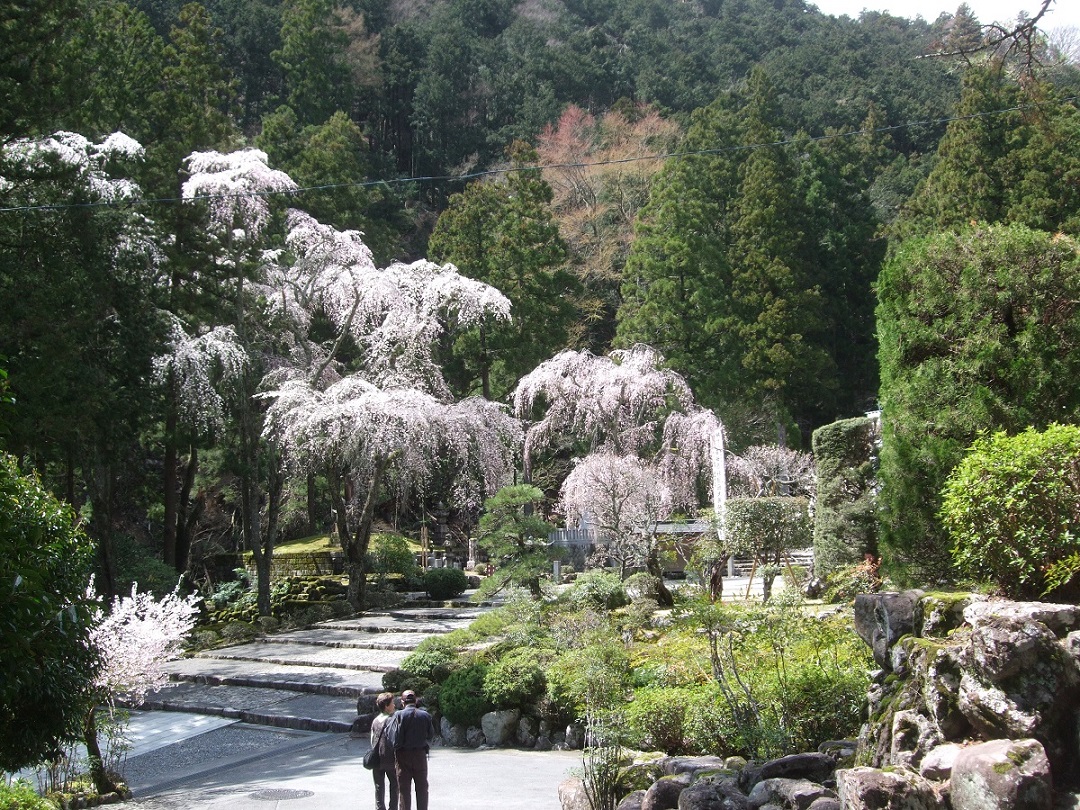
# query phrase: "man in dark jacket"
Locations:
[[411, 731]]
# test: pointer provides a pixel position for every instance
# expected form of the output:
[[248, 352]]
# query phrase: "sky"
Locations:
[[1061, 12]]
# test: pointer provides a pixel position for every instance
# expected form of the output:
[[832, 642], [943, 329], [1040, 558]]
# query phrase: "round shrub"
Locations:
[[461, 697], [1012, 507], [516, 681], [598, 589], [398, 680], [445, 583], [431, 659]]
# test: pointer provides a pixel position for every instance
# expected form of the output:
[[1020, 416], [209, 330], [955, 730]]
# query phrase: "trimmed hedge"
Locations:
[[845, 524]]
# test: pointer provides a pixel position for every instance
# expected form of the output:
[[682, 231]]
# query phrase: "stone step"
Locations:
[[265, 675], [350, 638], [268, 651], [280, 708]]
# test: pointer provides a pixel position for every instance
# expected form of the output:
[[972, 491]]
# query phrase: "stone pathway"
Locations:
[[304, 679]]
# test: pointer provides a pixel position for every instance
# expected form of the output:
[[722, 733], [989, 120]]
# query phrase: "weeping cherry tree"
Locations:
[[649, 444], [390, 424]]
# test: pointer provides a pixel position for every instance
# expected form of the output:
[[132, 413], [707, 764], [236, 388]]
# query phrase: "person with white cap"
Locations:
[[410, 731]]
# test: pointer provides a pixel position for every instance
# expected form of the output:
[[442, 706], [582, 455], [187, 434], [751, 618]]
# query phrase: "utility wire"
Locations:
[[460, 178]]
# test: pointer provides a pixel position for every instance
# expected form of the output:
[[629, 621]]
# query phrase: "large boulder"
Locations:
[[813, 766], [572, 795], [1059, 619], [796, 794], [1002, 775], [713, 795], [871, 789], [500, 727], [631, 801], [664, 793], [882, 618]]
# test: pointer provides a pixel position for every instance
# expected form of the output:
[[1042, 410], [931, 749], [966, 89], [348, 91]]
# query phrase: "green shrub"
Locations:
[[515, 681], [595, 676], [598, 589], [137, 564], [1012, 507], [398, 680], [655, 719], [461, 697], [977, 332], [391, 554], [445, 583], [845, 523], [766, 527], [431, 659], [20, 796]]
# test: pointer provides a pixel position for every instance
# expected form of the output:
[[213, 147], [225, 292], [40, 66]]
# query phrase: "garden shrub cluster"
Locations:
[[21, 796], [755, 680], [295, 600], [445, 583]]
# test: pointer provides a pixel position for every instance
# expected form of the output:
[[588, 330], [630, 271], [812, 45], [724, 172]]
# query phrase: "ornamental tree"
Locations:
[[390, 424], [515, 539], [624, 498], [135, 640]]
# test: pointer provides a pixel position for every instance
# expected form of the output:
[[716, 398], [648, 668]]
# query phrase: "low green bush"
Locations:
[[445, 583], [1012, 508], [597, 589], [516, 681], [655, 720], [20, 796], [461, 697], [432, 658], [398, 680]]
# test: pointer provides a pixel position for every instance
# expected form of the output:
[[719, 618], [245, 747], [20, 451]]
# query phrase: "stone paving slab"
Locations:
[[268, 707], [404, 622], [340, 637], [318, 680], [372, 660]]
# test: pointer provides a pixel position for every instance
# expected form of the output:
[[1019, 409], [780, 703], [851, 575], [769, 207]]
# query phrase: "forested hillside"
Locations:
[[719, 179]]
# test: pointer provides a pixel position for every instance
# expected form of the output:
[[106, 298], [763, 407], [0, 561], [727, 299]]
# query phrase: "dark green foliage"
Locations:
[[845, 526], [515, 681], [431, 659], [656, 718], [978, 332], [503, 233], [1012, 508], [48, 663], [398, 680], [515, 538], [445, 583], [461, 697], [390, 554]]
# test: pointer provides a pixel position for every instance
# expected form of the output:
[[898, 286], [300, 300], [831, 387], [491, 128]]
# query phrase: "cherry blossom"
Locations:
[[136, 638], [26, 156], [190, 366], [236, 187]]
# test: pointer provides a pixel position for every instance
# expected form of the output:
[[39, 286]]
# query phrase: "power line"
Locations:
[[461, 178]]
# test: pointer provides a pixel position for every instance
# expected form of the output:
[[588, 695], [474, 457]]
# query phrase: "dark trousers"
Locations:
[[381, 777], [412, 768]]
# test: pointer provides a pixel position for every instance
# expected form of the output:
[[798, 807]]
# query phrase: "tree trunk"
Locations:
[[663, 595], [170, 488], [312, 517], [103, 782], [356, 545], [185, 516]]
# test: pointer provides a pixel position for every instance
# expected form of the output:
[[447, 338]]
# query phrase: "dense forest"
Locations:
[[719, 179]]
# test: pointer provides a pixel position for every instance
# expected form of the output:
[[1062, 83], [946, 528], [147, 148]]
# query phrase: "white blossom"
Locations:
[[193, 364], [361, 426], [623, 497], [76, 152], [615, 403], [136, 638], [236, 186], [772, 470]]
